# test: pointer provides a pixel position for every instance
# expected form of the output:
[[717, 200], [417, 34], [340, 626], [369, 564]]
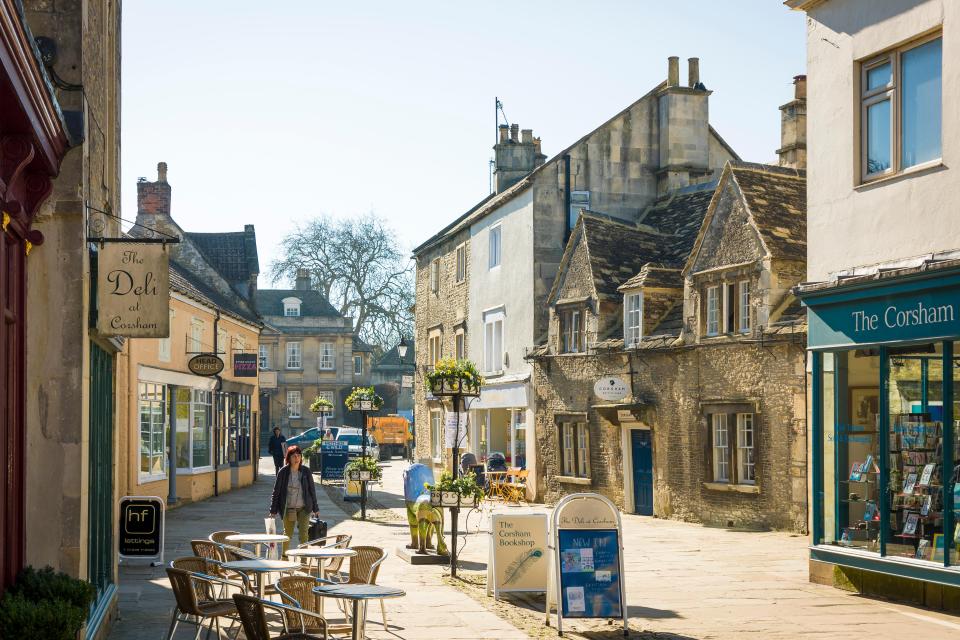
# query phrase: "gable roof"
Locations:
[[361, 346], [233, 254], [313, 303], [775, 199], [391, 360], [655, 277], [185, 282]]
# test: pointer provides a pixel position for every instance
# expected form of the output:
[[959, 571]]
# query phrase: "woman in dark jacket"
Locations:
[[294, 496]]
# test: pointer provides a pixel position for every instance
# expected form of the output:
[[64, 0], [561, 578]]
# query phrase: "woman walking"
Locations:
[[294, 496]]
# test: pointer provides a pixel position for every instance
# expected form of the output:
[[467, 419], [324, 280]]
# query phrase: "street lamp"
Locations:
[[402, 348]]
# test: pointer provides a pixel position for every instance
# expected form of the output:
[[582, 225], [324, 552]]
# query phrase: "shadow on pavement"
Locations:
[[650, 613]]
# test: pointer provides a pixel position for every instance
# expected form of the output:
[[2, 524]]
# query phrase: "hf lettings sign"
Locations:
[[133, 284]]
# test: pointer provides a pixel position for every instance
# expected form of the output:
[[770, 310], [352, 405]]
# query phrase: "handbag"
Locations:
[[318, 528]]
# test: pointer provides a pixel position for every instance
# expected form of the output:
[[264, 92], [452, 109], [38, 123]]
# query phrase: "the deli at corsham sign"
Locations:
[[133, 284]]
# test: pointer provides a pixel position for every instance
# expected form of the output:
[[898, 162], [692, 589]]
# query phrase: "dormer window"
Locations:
[[571, 330], [632, 319], [291, 307]]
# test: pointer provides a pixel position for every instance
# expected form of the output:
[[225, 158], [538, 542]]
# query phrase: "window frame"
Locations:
[[164, 424], [263, 357], [196, 335], [573, 448], [714, 308], [493, 344], [460, 344], [572, 321], [746, 467], [434, 348], [291, 405], [892, 92], [436, 434], [460, 267], [331, 396], [744, 321], [357, 365], [632, 333], [578, 200], [495, 247], [731, 456], [327, 355], [299, 350], [435, 276]]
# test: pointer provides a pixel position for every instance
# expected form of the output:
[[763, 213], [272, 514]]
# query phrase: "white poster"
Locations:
[[133, 290], [455, 437]]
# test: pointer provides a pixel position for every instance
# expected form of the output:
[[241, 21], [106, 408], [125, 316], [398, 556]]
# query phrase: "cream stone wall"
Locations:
[[851, 224]]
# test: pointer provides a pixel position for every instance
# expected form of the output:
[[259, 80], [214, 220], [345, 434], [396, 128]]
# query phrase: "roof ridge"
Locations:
[[760, 167]]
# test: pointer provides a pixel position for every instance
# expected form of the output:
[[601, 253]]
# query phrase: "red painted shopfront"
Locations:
[[33, 141]]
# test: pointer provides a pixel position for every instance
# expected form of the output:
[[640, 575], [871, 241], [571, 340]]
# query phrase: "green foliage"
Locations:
[[450, 370], [363, 393], [312, 450], [466, 485], [320, 404], [45, 604], [364, 463]]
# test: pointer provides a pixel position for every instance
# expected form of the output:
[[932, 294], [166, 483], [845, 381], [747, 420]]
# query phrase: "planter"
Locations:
[[359, 476], [452, 499], [453, 386]]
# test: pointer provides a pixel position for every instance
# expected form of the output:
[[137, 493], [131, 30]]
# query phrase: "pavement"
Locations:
[[682, 580]]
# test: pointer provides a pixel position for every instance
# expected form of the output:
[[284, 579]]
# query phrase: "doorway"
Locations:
[[641, 446]]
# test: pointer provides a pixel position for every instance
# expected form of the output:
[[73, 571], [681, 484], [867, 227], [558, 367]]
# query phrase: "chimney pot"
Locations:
[[800, 87], [693, 75], [514, 132], [303, 280], [673, 71], [504, 129], [526, 136], [161, 172]]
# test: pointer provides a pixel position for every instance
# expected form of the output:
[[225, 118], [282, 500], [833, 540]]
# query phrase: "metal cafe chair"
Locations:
[[193, 593], [253, 619]]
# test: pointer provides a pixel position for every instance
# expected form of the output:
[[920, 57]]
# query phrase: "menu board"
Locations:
[[590, 573], [333, 458]]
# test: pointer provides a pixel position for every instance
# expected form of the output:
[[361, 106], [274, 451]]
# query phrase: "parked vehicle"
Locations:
[[392, 433], [352, 436], [306, 438]]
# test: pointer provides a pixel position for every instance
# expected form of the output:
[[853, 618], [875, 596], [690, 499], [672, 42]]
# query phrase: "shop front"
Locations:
[[885, 396]]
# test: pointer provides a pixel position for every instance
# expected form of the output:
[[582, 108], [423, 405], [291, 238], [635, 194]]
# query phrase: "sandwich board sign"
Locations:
[[141, 528], [587, 579], [333, 458], [519, 558]]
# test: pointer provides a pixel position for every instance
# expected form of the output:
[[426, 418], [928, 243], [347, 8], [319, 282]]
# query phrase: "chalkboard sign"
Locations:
[[334, 455], [141, 527], [590, 574]]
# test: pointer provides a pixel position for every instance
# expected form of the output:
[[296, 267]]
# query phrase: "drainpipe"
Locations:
[[216, 409], [566, 198], [172, 445]]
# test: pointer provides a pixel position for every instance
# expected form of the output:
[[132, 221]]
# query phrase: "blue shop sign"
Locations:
[[893, 313]]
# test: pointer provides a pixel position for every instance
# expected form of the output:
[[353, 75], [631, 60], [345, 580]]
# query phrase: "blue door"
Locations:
[[642, 448]]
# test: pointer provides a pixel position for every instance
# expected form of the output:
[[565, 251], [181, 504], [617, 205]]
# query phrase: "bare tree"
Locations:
[[358, 265]]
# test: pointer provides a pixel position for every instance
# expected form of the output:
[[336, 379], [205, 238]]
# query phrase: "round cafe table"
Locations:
[[319, 554], [260, 567], [358, 593], [257, 539]]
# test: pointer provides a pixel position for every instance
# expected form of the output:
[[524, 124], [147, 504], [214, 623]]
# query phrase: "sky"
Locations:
[[272, 113]]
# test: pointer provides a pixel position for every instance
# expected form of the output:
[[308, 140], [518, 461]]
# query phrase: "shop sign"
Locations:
[[133, 290], [519, 556], [141, 527], [930, 314], [245, 365], [587, 557], [334, 456], [406, 382], [205, 364], [610, 388], [455, 434]]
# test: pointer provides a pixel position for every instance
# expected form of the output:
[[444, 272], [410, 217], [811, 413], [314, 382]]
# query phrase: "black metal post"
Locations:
[[455, 511], [363, 454]]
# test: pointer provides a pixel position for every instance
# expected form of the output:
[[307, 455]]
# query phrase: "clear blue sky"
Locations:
[[273, 112]]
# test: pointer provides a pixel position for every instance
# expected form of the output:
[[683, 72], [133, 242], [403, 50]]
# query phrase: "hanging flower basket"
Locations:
[[363, 399], [321, 406], [363, 470], [455, 377], [462, 492]]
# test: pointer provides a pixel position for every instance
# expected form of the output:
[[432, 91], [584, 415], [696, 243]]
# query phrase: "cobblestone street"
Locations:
[[683, 581]]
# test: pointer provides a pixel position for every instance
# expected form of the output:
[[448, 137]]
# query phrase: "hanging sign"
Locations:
[[133, 290], [455, 434], [519, 556], [406, 382], [141, 527], [611, 388], [587, 568], [244, 365], [205, 364]]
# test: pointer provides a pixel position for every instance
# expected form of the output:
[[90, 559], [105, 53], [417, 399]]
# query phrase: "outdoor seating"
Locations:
[[297, 591], [220, 536], [253, 620], [192, 592], [339, 541], [517, 486], [363, 569]]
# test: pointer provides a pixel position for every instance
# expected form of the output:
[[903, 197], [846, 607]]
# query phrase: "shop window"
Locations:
[[574, 449], [264, 357], [732, 445], [571, 330], [435, 275], [239, 435], [294, 360], [901, 108], [201, 413], [494, 247], [436, 434], [153, 421], [461, 267], [327, 359], [632, 319], [294, 403]]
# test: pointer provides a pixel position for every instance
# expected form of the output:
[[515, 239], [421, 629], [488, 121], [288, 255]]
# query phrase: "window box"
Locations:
[[452, 499]]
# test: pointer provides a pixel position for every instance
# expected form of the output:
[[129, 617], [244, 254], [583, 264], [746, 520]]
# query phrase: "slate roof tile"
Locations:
[[313, 303], [777, 200]]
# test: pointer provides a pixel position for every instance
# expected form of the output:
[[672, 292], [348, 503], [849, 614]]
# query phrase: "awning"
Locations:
[[502, 396], [162, 376]]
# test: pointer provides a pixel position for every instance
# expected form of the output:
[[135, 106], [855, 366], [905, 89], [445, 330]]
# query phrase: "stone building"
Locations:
[[482, 281], [688, 311], [394, 371], [213, 280], [307, 349]]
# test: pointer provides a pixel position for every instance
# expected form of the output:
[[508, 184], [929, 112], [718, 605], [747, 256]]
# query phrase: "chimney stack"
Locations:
[[153, 198], [504, 132], [693, 72], [793, 127], [515, 156], [303, 280], [526, 136], [673, 71], [514, 130]]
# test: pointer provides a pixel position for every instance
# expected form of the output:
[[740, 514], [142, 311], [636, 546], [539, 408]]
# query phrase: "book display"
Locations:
[[916, 487], [862, 500]]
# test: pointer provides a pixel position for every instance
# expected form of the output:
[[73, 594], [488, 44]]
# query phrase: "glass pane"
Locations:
[[952, 477], [878, 77], [921, 103], [916, 429], [878, 137]]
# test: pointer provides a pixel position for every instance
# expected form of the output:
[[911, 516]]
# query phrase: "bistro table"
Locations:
[[357, 593], [495, 483], [260, 567], [257, 539], [320, 554]]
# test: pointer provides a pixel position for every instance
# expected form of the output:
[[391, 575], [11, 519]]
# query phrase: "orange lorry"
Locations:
[[392, 433]]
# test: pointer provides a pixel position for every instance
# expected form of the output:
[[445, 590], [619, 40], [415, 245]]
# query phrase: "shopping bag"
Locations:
[[270, 524], [318, 528], [273, 549]]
